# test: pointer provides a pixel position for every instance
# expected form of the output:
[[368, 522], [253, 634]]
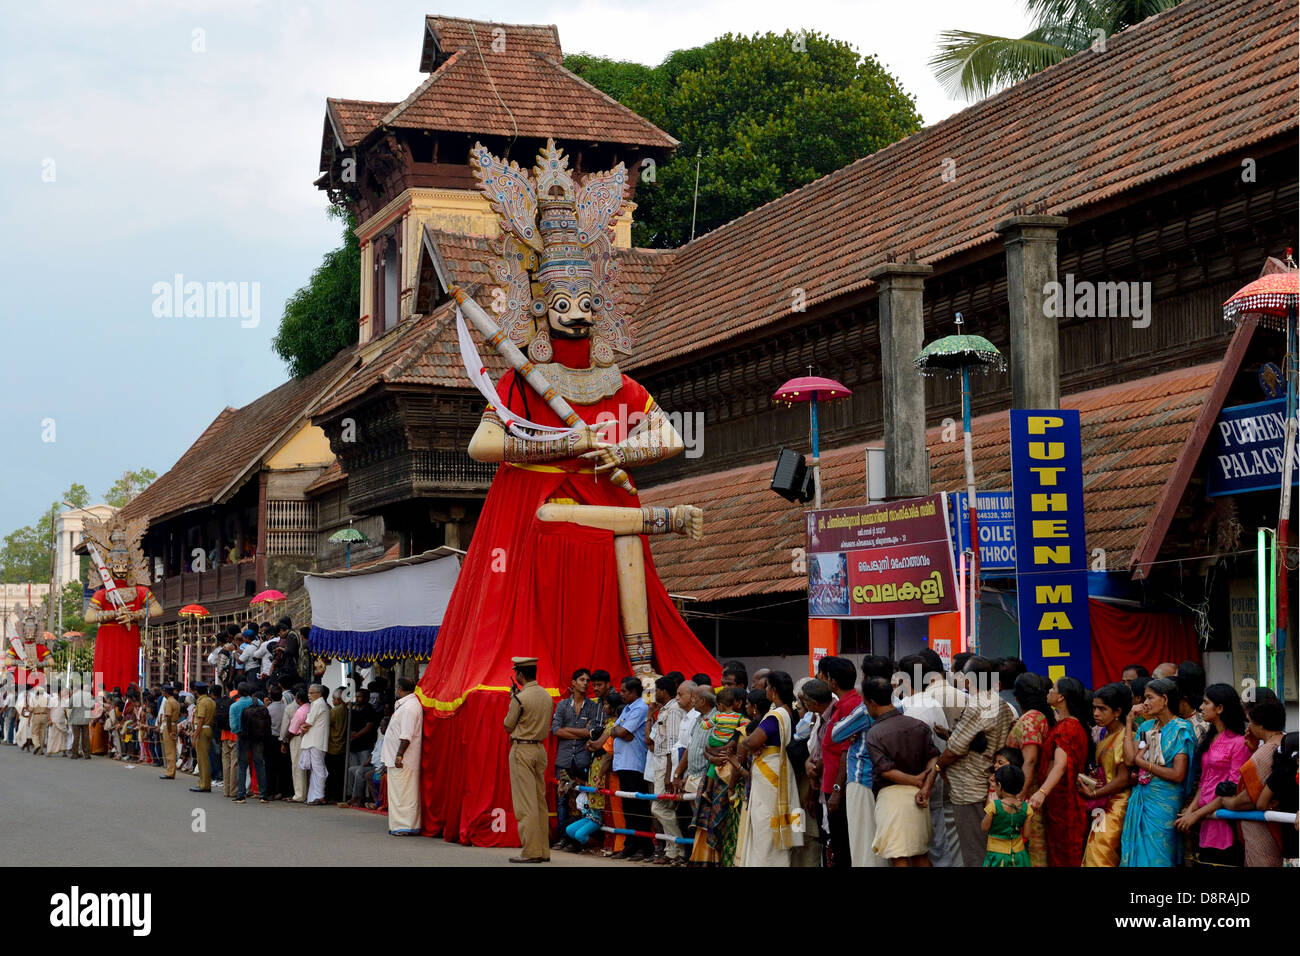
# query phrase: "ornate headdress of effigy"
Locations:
[[555, 233], [118, 541]]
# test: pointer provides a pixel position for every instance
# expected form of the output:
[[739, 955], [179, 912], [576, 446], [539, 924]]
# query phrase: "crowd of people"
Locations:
[[906, 764], [883, 763], [265, 728]]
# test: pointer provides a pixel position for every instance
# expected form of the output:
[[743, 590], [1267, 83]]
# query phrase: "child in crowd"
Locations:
[[1005, 818], [723, 729], [1006, 757]]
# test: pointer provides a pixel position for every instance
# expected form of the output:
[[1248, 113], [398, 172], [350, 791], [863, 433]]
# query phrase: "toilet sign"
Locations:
[[996, 528]]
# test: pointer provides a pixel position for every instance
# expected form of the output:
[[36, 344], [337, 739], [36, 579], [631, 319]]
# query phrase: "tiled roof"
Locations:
[[355, 118], [519, 92], [234, 445], [329, 477], [1202, 79], [456, 33], [476, 86], [1132, 434], [426, 351]]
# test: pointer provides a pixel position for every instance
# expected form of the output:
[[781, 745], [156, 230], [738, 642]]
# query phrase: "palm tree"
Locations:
[[973, 65]]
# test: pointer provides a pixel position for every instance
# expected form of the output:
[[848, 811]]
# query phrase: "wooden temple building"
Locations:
[[1168, 160]]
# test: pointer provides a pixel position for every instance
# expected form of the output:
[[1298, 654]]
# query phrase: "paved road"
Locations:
[[100, 812]]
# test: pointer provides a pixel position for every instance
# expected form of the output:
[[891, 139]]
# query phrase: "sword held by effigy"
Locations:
[[518, 361]]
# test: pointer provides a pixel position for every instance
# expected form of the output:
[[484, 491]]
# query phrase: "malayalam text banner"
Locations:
[[887, 560]]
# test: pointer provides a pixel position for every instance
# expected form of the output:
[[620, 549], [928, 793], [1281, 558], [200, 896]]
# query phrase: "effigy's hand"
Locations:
[[593, 437], [605, 457]]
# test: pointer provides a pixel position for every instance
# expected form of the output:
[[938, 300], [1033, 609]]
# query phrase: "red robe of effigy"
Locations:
[[117, 648], [530, 588]]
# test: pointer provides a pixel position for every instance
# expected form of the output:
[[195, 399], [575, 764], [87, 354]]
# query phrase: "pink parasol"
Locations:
[[1275, 298], [268, 597], [812, 389], [1270, 297]]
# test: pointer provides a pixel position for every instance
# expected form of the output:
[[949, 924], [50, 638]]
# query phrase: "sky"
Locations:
[[145, 141]]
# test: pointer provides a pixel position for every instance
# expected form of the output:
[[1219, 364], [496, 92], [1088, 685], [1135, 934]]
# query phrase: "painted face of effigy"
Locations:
[[118, 558], [568, 311]]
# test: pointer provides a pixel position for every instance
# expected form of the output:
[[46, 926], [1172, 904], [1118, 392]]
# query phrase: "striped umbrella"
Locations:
[[1273, 299], [963, 354]]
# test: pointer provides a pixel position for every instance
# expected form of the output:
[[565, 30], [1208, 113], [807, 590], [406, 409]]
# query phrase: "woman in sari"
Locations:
[[1220, 756], [1161, 748], [98, 736], [128, 720], [1027, 736], [1261, 842], [717, 812], [1110, 707], [773, 823], [1066, 749]]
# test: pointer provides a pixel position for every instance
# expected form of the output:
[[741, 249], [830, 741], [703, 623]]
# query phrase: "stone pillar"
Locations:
[[1031, 266], [366, 318], [902, 334]]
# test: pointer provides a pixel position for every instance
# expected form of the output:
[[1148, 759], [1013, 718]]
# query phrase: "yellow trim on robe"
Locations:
[[551, 469], [454, 704]]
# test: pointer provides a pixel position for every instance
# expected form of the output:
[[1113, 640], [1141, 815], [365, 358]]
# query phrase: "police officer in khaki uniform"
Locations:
[[39, 710], [529, 721], [169, 717], [205, 710]]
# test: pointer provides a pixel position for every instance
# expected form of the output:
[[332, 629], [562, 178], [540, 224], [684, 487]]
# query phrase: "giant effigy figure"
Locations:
[[559, 567], [25, 651], [123, 601]]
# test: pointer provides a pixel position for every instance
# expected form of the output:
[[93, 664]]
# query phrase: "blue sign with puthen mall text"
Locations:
[[1248, 446], [1051, 543], [995, 524]]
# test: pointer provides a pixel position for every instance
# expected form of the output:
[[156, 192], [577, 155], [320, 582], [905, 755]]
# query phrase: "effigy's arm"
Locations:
[[491, 442], [653, 439], [98, 615], [686, 520]]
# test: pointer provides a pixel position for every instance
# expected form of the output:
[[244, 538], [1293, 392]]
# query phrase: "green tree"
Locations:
[[74, 610], [617, 78], [972, 65], [25, 554], [765, 113], [127, 487], [76, 495], [80, 651], [321, 317]]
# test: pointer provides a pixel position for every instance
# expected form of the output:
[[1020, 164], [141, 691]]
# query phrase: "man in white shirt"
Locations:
[[248, 661], [667, 730], [22, 706], [265, 657], [401, 755], [315, 741], [931, 699], [686, 701], [8, 716]]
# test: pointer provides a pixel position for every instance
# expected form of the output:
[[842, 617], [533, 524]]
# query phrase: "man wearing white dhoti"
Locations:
[[401, 755], [23, 736], [315, 741], [57, 739]]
